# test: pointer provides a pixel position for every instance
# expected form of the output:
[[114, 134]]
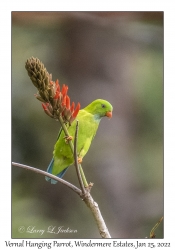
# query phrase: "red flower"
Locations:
[[67, 102], [46, 110], [45, 106], [75, 112], [59, 103], [64, 90]]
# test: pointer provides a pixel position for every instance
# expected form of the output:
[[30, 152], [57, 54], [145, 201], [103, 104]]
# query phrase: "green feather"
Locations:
[[89, 119]]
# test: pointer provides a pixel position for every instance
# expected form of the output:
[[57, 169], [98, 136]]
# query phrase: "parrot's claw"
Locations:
[[68, 138], [80, 160]]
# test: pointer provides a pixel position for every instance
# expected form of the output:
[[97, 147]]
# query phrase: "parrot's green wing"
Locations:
[[50, 167], [89, 119]]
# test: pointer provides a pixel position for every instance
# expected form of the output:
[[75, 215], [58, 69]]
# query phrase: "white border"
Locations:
[[169, 96]]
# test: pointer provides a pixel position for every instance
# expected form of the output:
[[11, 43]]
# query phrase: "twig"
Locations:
[[152, 233], [76, 160], [39, 171], [83, 176]]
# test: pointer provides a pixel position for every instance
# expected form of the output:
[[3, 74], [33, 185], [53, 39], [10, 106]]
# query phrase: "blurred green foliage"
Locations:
[[117, 56]]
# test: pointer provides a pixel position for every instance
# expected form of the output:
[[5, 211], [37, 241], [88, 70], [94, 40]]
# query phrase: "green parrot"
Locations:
[[89, 119]]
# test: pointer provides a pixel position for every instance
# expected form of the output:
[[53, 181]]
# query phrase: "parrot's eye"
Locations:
[[103, 106]]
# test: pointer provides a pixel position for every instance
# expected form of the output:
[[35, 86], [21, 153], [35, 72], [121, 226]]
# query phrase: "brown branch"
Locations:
[[97, 215], [87, 198], [39, 171], [76, 161]]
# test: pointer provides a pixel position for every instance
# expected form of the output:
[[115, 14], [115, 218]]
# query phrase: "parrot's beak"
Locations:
[[109, 114]]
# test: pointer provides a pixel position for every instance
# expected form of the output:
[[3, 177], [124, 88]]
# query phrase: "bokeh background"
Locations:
[[117, 56]]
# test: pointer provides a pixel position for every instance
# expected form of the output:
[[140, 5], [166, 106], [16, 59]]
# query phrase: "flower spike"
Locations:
[[55, 101]]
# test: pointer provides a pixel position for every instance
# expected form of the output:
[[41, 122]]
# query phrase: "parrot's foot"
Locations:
[[68, 138], [80, 160]]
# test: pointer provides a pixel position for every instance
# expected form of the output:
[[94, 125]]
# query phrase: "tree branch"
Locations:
[[97, 215], [87, 198], [76, 161], [39, 171]]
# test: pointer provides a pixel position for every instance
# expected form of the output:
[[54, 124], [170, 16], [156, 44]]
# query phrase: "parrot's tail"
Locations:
[[49, 170]]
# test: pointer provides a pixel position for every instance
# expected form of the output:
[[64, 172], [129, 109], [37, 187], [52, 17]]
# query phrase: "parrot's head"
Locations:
[[100, 108]]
